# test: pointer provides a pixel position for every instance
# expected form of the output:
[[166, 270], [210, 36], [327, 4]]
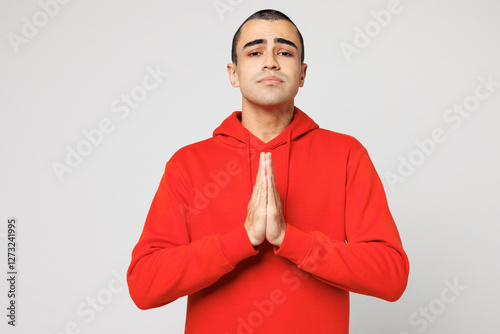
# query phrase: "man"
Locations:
[[270, 223]]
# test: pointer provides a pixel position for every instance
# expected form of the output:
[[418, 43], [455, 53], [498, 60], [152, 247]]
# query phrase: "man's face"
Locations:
[[269, 71]]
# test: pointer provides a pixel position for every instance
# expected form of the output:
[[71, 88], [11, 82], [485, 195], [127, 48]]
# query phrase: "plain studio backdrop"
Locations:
[[95, 97]]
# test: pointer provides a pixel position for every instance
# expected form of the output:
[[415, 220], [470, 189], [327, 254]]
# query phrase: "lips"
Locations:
[[270, 79]]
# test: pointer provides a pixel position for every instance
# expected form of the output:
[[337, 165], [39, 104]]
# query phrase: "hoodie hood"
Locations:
[[232, 133]]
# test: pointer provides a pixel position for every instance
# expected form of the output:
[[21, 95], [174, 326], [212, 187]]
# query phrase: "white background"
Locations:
[[76, 232]]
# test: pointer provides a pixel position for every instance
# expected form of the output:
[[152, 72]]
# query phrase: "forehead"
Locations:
[[257, 29]]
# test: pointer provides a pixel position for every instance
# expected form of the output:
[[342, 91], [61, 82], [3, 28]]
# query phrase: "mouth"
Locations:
[[270, 80]]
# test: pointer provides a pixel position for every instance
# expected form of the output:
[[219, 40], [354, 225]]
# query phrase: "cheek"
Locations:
[[245, 79], [248, 68]]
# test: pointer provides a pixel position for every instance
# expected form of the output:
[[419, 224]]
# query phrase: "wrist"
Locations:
[[279, 240], [254, 241]]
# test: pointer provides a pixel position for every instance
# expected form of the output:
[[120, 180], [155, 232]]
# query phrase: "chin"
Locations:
[[272, 104], [268, 99], [273, 100]]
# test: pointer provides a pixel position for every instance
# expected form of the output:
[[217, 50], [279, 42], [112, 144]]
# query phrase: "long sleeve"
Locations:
[[166, 264], [371, 260]]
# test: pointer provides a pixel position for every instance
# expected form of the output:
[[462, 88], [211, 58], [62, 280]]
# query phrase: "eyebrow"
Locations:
[[263, 41]]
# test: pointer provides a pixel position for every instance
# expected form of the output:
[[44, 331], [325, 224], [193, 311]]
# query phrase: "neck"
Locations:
[[266, 122]]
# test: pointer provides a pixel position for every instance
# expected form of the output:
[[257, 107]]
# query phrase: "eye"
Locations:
[[253, 54], [284, 53]]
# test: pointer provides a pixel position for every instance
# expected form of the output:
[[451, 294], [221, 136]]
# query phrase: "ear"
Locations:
[[233, 76], [303, 75]]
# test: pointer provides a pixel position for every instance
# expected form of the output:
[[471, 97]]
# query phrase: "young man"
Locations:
[[270, 223]]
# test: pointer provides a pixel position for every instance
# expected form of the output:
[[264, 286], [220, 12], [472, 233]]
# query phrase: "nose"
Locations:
[[270, 62]]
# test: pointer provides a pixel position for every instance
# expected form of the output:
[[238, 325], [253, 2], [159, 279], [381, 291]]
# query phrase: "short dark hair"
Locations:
[[268, 15]]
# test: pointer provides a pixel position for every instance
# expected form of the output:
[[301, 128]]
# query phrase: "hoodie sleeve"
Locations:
[[371, 261], [166, 264]]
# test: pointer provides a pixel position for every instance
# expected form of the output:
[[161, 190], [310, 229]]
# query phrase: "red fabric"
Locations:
[[340, 234]]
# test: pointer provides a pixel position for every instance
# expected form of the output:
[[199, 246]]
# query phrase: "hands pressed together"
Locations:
[[265, 219]]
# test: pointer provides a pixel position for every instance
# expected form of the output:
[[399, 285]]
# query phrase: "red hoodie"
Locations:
[[340, 235]]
